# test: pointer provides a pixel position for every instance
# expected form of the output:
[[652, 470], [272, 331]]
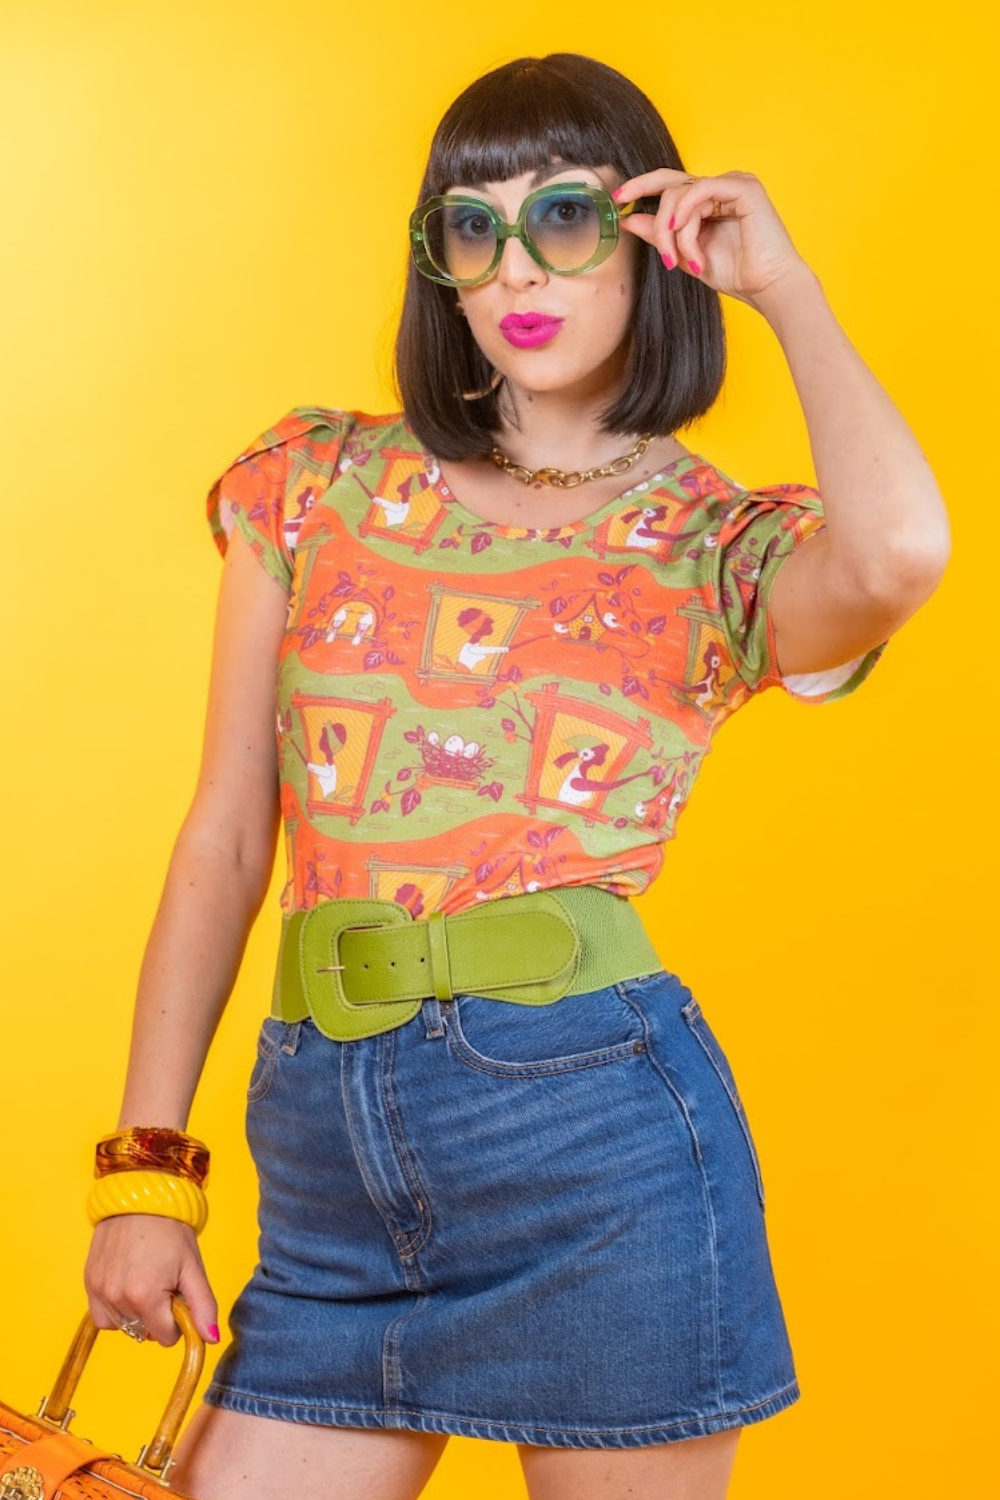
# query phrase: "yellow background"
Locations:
[[183, 188]]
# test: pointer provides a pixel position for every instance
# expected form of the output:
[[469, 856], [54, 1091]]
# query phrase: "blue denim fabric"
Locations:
[[537, 1224]]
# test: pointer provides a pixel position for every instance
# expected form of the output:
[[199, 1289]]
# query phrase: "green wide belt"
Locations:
[[363, 966]]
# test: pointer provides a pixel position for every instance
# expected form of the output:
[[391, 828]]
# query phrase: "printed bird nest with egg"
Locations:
[[454, 759]]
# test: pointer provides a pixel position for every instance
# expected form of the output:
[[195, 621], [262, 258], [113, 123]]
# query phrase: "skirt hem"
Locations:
[[416, 1419]]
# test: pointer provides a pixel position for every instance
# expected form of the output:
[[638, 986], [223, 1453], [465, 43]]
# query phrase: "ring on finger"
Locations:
[[135, 1328]]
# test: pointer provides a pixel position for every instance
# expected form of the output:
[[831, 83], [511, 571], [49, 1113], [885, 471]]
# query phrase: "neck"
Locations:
[[557, 429]]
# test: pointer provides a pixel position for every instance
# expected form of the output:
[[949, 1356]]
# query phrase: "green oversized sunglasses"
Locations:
[[458, 239]]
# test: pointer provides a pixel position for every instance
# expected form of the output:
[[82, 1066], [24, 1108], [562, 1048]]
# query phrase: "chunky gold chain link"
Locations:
[[563, 480]]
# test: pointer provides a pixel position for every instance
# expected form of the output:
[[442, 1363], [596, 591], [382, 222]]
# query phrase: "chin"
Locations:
[[546, 371], [586, 383]]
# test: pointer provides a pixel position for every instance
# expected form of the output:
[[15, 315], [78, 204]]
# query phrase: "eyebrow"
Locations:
[[542, 175]]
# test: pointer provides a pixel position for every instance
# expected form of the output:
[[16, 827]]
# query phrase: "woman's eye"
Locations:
[[564, 209], [472, 225], [569, 211]]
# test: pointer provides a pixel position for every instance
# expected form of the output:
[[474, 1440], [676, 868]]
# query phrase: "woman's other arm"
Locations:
[[216, 881], [222, 860]]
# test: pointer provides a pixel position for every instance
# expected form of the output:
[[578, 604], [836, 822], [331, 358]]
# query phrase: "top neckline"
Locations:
[[678, 466]]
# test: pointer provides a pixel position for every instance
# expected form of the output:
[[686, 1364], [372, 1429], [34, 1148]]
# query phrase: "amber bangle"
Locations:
[[155, 1146]]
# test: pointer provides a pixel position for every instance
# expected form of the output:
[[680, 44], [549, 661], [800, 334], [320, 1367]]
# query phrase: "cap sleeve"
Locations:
[[760, 529], [267, 490]]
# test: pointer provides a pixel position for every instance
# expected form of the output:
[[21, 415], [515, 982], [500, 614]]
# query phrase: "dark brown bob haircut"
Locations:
[[514, 120]]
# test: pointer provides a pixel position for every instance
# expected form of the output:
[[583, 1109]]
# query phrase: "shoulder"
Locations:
[[736, 519], [782, 505], [303, 426], [267, 489], [257, 491], [319, 435]]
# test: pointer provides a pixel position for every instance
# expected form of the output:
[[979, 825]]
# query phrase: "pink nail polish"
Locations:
[[695, 268], [213, 1332], [616, 193], [667, 262], [671, 224]]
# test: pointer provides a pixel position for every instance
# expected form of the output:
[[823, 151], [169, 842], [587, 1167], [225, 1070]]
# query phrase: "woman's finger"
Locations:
[[687, 235], [102, 1313], [197, 1293], [125, 1310], [663, 234], [648, 183], [728, 196], [709, 198], [152, 1307], [657, 229], [653, 228]]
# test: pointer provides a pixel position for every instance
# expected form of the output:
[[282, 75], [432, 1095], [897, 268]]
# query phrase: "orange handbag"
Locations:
[[40, 1458]]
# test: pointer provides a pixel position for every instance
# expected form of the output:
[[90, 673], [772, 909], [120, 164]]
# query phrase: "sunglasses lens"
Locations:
[[460, 240], [566, 227]]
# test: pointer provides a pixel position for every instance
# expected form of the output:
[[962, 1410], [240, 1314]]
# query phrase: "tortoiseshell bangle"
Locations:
[[155, 1146]]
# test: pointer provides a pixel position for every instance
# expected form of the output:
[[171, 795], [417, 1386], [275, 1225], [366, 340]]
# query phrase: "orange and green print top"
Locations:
[[466, 710]]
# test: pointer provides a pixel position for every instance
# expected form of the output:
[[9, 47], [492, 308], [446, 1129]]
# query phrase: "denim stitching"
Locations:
[[692, 1014], [431, 1015], [641, 980], [411, 1241], [465, 1051], [290, 1040], [403, 1156], [631, 1000], [480, 1422], [392, 1369], [392, 1373], [359, 1155], [636, 1005], [469, 1056], [267, 1055]]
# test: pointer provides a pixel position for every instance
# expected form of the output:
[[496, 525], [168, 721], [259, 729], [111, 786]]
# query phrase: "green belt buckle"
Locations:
[[318, 954], [312, 961]]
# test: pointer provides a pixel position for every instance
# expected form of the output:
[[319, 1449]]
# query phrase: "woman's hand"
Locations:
[[725, 231], [135, 1265]]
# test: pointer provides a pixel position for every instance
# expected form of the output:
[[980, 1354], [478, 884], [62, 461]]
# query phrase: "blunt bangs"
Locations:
[[513, 120]]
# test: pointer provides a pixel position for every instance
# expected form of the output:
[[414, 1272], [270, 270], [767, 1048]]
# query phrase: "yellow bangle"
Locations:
[[146, 1191]]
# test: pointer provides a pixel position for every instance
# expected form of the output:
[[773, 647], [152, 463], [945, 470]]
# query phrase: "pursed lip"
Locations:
[[527, 320]]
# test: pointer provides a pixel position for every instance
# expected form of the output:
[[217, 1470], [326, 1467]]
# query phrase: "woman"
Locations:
[[508, 1188]]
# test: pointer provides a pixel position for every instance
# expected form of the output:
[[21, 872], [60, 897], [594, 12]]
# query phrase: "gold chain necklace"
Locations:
[[563, 480]]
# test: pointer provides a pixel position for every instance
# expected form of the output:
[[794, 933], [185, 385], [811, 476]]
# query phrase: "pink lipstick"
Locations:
[[525, 330]]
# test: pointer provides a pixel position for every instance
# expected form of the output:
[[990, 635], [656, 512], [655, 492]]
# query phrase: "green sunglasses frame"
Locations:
[[610, 212]]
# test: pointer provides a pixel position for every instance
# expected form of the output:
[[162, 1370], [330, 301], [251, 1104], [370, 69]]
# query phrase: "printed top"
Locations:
[[466, 710]]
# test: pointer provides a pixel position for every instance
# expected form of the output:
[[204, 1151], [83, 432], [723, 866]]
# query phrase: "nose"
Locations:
[[517, 268]]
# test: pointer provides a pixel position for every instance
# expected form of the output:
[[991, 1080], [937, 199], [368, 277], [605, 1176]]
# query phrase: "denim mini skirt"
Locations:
[[536, 1224]]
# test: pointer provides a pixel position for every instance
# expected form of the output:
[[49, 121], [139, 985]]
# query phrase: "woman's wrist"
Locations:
[[150, 1169], [154, 1147], [142, 1191]]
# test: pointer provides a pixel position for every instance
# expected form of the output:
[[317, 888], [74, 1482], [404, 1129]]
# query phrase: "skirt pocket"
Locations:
[[271, 1037], [701, 1030], [517, 1041]]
